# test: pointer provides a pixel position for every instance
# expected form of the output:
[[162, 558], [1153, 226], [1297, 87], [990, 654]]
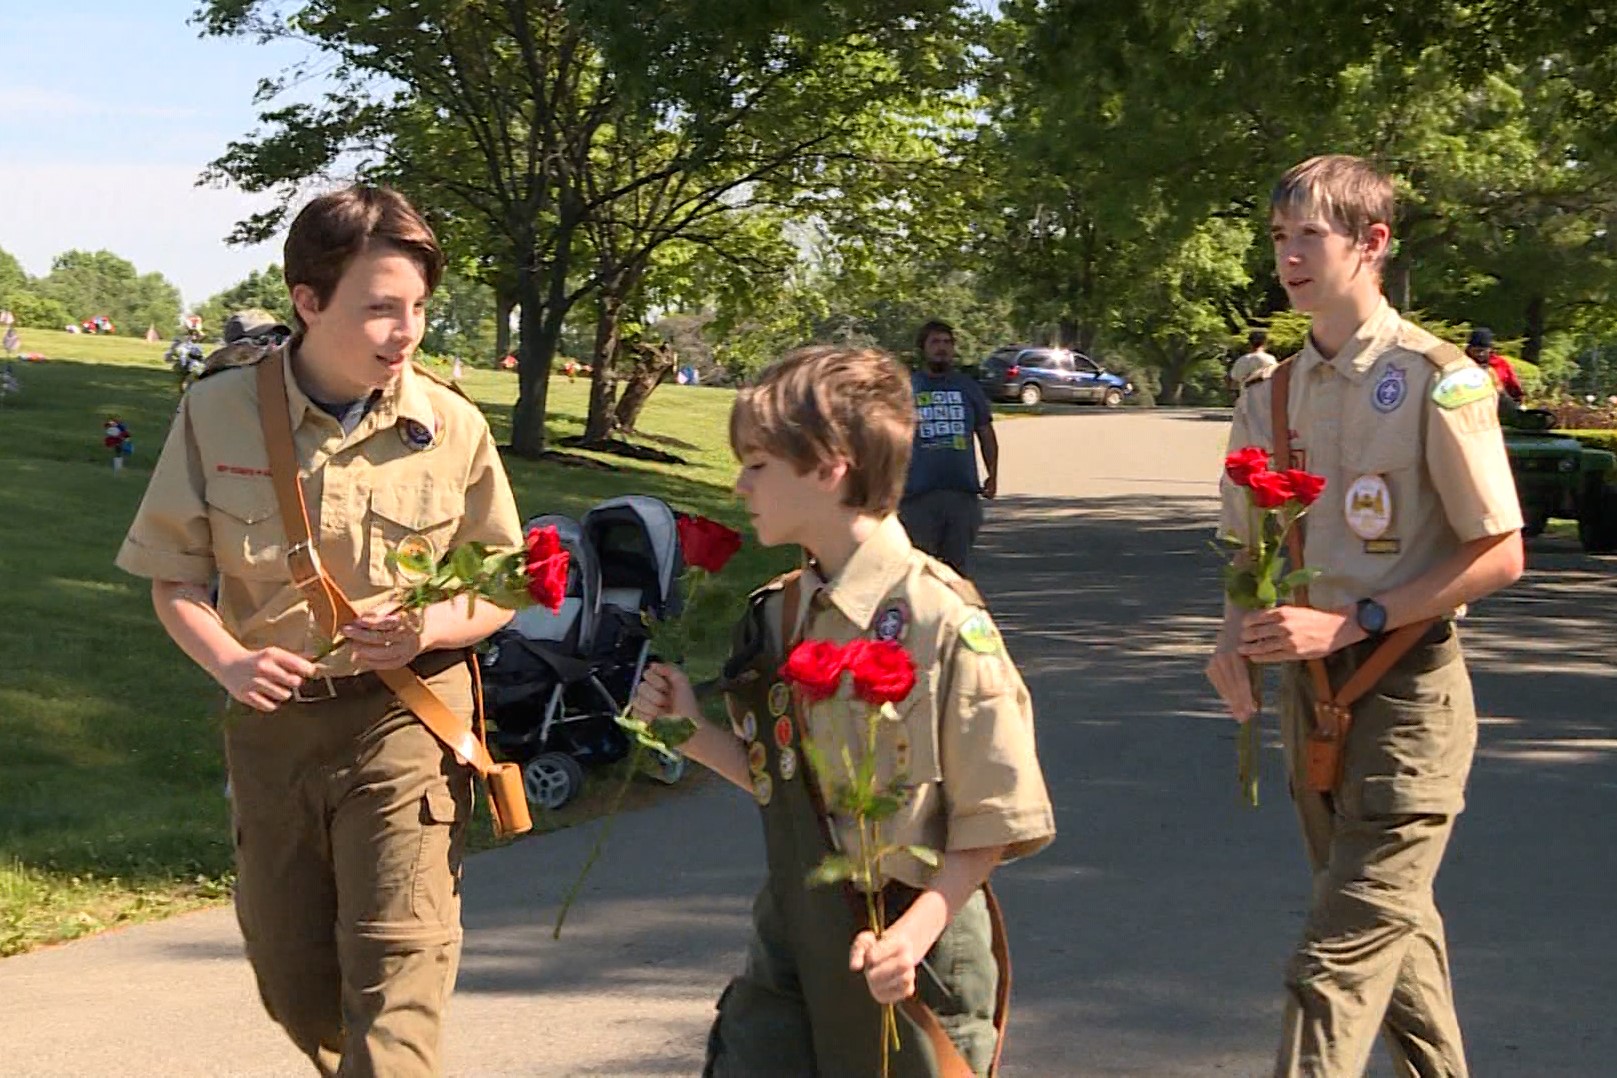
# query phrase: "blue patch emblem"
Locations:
[[417, 436], [1390, 391]]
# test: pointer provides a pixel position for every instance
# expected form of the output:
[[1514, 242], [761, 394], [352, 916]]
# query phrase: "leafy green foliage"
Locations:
[[264, 289]]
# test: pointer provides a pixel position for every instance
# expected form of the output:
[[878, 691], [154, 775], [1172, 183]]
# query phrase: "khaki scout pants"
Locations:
[[350, 820], [1373, 955], [944, 524]]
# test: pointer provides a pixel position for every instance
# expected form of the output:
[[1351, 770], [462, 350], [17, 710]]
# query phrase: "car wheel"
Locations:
[[1031, 394], [552, 779], [1597, 523], [1113, 398]]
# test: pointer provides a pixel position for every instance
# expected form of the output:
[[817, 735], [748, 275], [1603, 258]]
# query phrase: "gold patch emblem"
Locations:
[[763, 788], [780, 698], [979, 634], [413, 558], [1368, 507]]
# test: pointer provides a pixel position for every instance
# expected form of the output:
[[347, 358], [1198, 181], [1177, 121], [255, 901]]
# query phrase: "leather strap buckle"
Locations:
[[1330, 719], [323, 688], [303, 562]]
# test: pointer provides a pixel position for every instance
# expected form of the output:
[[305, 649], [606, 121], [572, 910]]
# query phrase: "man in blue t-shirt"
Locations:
[[941, 510]]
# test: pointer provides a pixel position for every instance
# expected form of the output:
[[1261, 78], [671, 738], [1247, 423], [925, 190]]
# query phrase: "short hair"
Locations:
[[827, 402], [930, 328], [1257, 338], [330, 232], [1348, 191]]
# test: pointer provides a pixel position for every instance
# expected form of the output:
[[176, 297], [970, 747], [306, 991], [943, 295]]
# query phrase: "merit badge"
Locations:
[[1461, 387], [1389, 392], [979, 634], [418, 436], [749, 726], [783, 732], [763, 788], [1368, 507], [780, 698], [891, 622], [788, 764], [755, 756], [411, 554]]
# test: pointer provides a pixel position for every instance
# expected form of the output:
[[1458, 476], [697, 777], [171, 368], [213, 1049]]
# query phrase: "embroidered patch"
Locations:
[[413, 558], [783, 732], [788, 764], [756, 756], [1368, 507], [763, 788], [1381, 546], [1465, 386], [780, 698], [749, 726], [979, 634], [1390, 391], [417, 436], [893, 621]]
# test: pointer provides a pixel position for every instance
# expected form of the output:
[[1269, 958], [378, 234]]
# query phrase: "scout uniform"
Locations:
[[964, 739], [1403, 427], [349, 815]]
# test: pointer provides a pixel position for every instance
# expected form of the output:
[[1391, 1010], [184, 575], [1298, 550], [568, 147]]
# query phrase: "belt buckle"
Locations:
[[316, 695]]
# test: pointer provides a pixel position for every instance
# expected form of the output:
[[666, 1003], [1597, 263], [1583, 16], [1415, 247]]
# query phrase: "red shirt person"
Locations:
[[1480, 349]]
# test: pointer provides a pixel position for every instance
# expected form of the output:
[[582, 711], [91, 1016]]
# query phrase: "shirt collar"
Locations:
[[880, 562], [406, 398], [1360, 353]]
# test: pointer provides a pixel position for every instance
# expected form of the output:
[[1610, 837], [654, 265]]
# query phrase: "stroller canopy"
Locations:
[[636, 544]]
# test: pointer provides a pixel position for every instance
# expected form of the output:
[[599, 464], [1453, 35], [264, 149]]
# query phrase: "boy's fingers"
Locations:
[[859, 953]]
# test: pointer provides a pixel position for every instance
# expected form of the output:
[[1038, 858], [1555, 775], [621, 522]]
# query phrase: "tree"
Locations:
[[264, 289], [89, 284], [460, 320]]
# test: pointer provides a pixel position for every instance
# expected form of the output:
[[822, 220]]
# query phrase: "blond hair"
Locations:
[[825, 403], [1347, 191]]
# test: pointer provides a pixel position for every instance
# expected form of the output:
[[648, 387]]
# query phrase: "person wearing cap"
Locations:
[[1256, 365], [349, 815], [1480, 348]]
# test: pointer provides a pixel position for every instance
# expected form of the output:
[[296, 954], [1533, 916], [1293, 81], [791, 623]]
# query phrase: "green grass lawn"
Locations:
[[111, 804]]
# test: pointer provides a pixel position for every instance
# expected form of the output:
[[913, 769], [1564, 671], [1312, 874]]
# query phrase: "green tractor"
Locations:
[[1558, 476]]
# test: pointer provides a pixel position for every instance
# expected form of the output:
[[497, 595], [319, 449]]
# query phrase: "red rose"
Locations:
[[815, 667], [1243, 464], [1305, 486], [1270, 490], [883, 672], [707, 544], [546, 568]]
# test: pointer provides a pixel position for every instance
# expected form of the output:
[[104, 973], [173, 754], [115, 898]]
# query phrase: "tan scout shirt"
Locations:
[[965, 738], [210, 507], [1370, 412], [1251, 366]]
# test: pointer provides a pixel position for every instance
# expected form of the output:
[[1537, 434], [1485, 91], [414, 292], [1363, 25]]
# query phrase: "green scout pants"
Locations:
[[350, 823], [943, 523], [797, 1011], [1373, 957]]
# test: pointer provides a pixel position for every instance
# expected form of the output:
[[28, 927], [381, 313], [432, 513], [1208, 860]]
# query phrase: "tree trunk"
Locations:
[[651, 365], [603, 381], [1534, 345], [1400, 283], [1067, 330], [504, 303], [537, 347]]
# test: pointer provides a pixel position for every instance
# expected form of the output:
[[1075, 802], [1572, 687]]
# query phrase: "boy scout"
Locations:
[[1418, 518], [823, 440], [349, 814]]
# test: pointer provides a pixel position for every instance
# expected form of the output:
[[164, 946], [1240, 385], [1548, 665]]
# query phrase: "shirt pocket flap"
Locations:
[[251, 501], [416, 507]]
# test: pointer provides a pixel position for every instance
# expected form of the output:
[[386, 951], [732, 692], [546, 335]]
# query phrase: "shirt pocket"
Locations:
[[914, 738], [1392, 451], [428, 510], [249, 542]]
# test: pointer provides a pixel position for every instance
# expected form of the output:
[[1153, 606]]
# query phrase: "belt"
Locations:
[[317, 690], [1440, 633]]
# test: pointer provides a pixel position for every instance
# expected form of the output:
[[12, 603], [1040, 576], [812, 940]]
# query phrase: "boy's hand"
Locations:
[[1290, 633], [1227, 670], [264, 680], [385, 640], [665, 690], [888, 963]]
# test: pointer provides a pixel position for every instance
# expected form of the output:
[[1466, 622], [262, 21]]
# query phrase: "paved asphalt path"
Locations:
[[1149, 939]]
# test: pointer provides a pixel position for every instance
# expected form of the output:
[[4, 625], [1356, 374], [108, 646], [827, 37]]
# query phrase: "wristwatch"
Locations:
[[1371, 616]]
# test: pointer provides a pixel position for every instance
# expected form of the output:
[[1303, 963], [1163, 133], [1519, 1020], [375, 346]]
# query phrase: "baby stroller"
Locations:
[[553, 683]]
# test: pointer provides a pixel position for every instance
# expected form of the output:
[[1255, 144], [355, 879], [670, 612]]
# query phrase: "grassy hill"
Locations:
[[111, 804]]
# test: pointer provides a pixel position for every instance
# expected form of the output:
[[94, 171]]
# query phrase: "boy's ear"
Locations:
[[828, 475], [306, 302], [1377, 242]]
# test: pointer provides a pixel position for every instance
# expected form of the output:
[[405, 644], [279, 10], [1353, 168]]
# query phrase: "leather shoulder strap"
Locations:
[[1280, 412]]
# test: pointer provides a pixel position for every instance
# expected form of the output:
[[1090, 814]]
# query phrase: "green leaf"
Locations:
[[924, 854], [1266, 593], [835, 868], [882, 807], [672, 731]]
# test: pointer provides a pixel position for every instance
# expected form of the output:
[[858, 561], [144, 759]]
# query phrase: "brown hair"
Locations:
[[826, 402], [927, 330], [1349, 192], [330, 232]]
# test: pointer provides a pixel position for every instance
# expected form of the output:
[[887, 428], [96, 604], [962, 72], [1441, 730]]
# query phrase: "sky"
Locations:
[[109, 111]]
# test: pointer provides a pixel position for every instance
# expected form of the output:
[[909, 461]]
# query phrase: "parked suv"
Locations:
[[1557, 476], [1024, 373]]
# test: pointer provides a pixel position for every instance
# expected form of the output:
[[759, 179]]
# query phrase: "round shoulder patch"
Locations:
[[980, 635], [1462, 386]]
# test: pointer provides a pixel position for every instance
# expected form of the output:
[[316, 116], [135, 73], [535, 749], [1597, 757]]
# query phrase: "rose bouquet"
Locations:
[[882, 674], [1256, 577]]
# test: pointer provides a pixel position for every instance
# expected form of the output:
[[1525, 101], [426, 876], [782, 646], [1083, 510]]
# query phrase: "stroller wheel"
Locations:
[[667, 769], [552, 779]]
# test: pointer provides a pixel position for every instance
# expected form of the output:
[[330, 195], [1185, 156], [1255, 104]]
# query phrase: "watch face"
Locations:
[[1372, 616]]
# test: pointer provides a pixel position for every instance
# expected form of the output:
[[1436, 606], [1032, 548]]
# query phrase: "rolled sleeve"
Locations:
[[491, 510], [993, 788], [170, 538], [1465, 456]]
